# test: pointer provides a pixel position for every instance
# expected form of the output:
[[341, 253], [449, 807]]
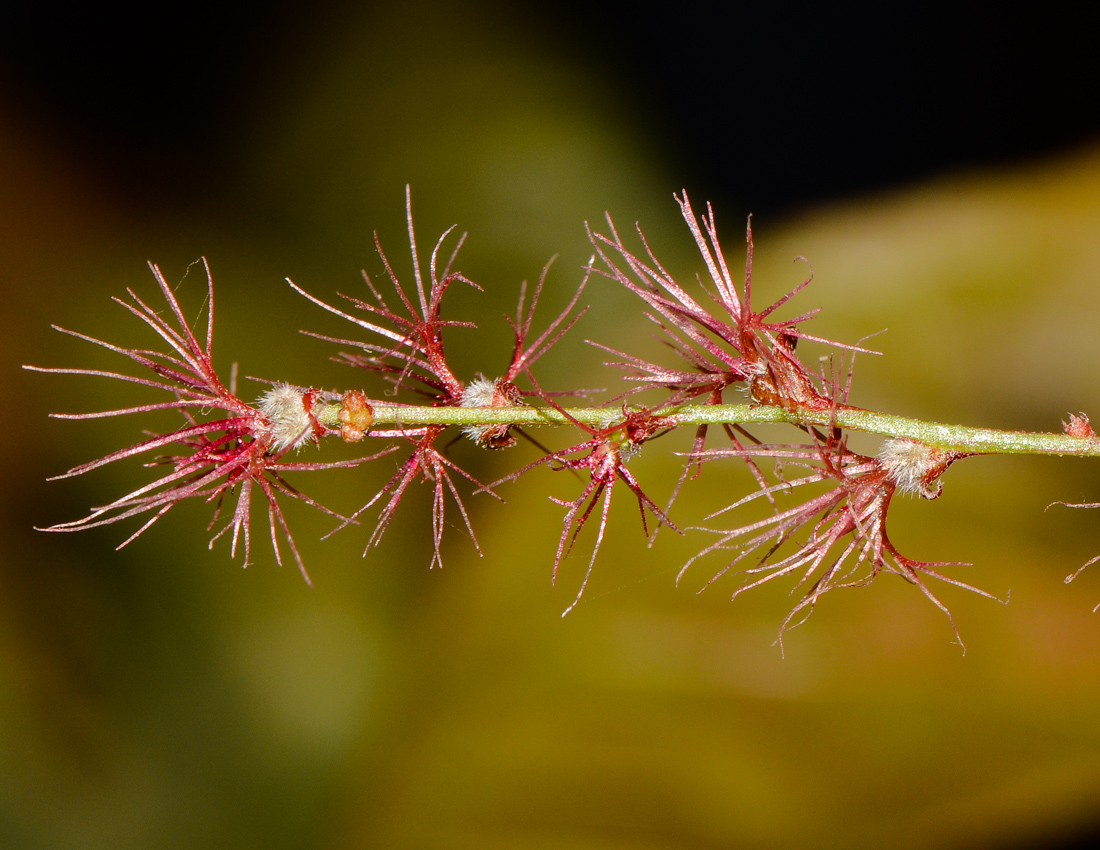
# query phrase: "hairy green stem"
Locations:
[[959, 438]]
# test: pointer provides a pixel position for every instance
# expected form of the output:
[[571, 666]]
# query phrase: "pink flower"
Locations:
[[240, 450], [847, 544], [413, 333], [503, 391], [413, 352], [604, 455], [413, 357], [740, 345]]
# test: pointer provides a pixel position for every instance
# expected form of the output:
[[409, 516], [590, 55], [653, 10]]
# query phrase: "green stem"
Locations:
[[949, 437]]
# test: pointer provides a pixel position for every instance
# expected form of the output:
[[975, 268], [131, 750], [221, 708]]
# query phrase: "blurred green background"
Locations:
[[161, 696]]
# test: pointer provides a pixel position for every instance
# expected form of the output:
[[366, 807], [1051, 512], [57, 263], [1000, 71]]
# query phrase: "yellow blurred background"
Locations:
[[161, 696]]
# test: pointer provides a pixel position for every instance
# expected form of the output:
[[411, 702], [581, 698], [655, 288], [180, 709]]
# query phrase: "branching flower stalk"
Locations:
[[833, 537]]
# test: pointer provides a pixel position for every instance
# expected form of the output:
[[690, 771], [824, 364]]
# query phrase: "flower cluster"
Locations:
[[415, 354], [847, 543], [604, 455], [739, 347], [243, 448]]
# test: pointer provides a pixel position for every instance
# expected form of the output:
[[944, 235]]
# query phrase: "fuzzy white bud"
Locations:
[[912, 466], [481, 392], [287, 411]]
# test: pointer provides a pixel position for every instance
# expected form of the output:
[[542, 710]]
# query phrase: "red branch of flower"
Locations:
[[848, 545], [740, 345], [503, 391], [242, 450], [604, 455], [524, 355], [417, 343], [431, 466], [416, 352]]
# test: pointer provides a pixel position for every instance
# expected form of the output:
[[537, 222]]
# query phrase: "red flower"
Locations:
[[847, 544], [740, 345], [502, 391], [604, 455], [414, 352], [240, 450], [415, 349]]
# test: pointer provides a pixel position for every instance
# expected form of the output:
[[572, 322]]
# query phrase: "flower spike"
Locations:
[[831, 535]]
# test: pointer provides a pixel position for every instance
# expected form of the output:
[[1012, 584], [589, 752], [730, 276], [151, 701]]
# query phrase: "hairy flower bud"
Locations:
[[288, 413], [481, 392], [914, 467]]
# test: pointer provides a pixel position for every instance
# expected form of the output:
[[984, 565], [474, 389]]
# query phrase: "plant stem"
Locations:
[[958, 438]]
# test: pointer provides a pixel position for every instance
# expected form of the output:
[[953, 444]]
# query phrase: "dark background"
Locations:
[[764, 106]]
